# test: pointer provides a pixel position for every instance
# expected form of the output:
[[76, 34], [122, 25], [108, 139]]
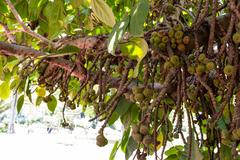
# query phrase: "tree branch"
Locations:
[[25, 28], [23, 51]]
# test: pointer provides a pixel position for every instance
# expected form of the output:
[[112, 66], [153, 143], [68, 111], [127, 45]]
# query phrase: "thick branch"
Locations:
[[23, 51]]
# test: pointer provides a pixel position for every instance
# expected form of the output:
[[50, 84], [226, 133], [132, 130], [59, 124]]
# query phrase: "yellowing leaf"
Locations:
[[160, 140], [4, 90], [41, 91], [103, 12], [136, 49]]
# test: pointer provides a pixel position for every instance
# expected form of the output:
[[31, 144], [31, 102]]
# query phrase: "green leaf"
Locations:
[[138, 16], [39, 101], [131, 147], [78, 3], [225, 152], [3, 7], [52, 104], [4, 90], [103, 12], [121, 109], [3, 60], [22, 8], [15, 83], [125, 138], [114, 151], [130, 116], [20, 103], [54, 12], [136, 49], [221, 123], [34, 9], [174, 150], [195, 152], [117, 34]]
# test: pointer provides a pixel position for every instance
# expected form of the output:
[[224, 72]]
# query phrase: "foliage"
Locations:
[[157, 66]]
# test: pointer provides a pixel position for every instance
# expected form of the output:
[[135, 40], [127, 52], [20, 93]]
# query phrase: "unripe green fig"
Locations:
[[162, 46], [165, 39], [202, 57], [175, 60], [167, 65], [210, 66], [178, 35], [171, 33], [191, 69], [178, 27], [236, 37], [136, 89], [147, 92], [229, 70], [139, 97], [200, 69]]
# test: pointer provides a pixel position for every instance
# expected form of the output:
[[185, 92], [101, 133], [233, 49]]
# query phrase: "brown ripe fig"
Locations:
[[186, 40], [181, 47], [147, 140], [179, 41], [135, 128], [143, 129], [47, 99], [137, 137], [101, 140], [72, 106]]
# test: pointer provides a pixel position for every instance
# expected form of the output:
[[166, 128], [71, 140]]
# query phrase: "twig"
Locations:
[[8, 33]]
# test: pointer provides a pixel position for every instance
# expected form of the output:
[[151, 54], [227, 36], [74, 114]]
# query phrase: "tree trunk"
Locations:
[[11, 129]]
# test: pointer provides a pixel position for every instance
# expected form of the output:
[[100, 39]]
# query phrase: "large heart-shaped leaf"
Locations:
[[103, 12], [138, 16]]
